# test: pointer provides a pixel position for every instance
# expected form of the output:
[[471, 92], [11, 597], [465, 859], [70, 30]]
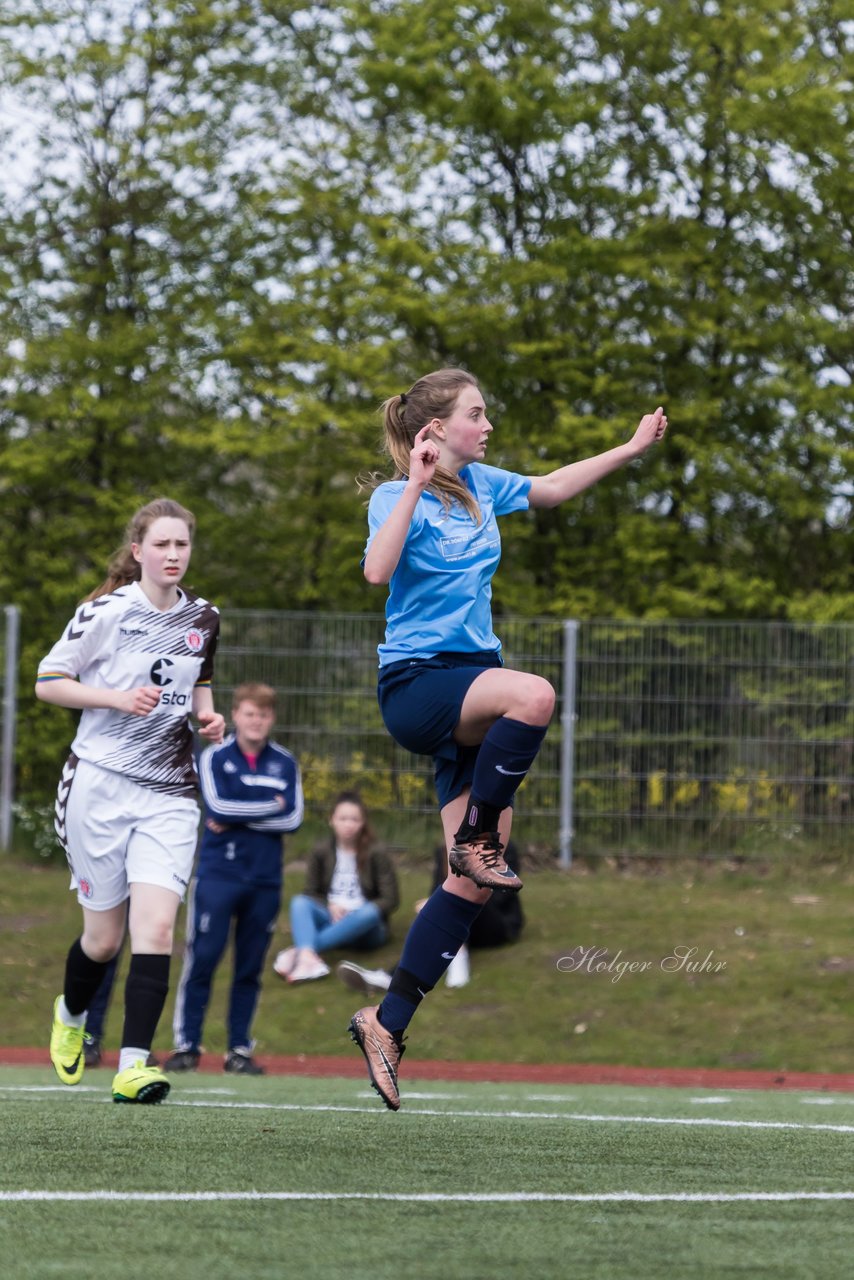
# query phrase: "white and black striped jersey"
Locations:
[[121, 641]]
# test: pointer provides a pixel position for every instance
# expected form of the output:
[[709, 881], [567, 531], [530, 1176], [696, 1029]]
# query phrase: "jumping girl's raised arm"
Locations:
[[388, 542], [556, 487]]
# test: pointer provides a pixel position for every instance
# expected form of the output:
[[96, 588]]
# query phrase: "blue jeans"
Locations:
[[311, 925]]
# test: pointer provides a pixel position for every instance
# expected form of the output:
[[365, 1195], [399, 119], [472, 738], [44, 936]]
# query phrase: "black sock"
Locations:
[[83, 977], [145, 995], [480, 817]]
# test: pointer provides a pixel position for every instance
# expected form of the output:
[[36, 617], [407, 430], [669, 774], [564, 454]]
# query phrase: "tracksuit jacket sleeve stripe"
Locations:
[[221, 806], [291, 817]]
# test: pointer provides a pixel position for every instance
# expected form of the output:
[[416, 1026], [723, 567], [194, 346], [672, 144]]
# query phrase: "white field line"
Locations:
[[48, 1088], [580, 1116], [434, 1197], [459, 1113], [816, 1100]]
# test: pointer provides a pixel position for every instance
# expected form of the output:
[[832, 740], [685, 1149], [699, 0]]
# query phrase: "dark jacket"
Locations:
[[378, 877], [242, 799]]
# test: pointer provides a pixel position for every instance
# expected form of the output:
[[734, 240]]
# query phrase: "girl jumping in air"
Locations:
[[137, 661], [443, 691]]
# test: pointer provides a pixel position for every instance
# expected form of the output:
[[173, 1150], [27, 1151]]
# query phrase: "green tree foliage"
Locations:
[[652, 197], [241, 224], [129, 247]]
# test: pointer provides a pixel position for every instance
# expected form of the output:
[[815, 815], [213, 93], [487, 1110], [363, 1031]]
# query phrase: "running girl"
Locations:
[[137, 661]]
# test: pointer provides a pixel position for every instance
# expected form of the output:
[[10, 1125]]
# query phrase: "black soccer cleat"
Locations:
[[240, 1062], [183, 1060]]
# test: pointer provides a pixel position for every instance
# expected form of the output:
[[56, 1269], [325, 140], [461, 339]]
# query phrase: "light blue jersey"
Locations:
[[440, 595]]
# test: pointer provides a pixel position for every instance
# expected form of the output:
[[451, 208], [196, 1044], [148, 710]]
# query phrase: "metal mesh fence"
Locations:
[[689, 738], [324, 668], [727, 738]]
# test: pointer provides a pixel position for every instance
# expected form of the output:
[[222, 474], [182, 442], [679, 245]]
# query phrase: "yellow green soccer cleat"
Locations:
[[66, 1048], [140, 1083]]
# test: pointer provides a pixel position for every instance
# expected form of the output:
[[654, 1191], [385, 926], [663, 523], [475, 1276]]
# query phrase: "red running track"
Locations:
[[509, 1072]]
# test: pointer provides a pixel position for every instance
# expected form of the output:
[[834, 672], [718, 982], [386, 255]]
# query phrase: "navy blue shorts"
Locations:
[[420, 703]]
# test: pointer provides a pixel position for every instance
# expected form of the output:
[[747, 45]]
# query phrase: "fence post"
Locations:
[[567, 749], [7, 747]]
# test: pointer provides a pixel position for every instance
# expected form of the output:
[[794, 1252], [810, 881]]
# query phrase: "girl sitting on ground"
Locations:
[[351, 890]]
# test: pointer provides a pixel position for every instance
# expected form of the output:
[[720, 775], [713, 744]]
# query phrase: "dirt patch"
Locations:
[[20, 924]]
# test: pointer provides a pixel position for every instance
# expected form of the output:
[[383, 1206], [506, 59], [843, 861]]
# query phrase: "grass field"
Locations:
[[782, 1000], [298, 1177]]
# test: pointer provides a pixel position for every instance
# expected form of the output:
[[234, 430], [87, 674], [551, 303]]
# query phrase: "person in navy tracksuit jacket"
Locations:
[[252, 794]]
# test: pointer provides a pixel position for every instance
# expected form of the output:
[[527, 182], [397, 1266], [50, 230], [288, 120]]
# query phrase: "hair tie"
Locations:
[[402, 399]]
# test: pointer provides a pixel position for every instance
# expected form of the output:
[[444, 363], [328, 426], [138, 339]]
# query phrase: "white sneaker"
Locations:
[[284, 962], [458, 971], [308, 969], [366, 981]]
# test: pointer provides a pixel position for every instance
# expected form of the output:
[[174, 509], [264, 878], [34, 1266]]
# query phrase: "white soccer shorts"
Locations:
[[116, 833]]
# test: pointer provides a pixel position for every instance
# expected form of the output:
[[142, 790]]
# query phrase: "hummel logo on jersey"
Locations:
[[511, 773], [132, 631], [81, 618]]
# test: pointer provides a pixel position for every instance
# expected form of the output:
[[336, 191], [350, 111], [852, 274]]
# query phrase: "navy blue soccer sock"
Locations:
[[436, 935], [503, 760]]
